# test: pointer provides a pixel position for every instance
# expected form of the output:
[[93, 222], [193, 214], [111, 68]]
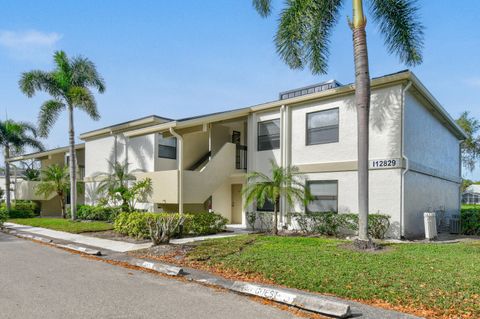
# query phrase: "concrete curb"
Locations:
[[307, 302], [81, 249], [27, 236], [158, 267]]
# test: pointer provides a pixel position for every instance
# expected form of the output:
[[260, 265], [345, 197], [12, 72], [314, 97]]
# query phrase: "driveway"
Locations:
[[37, 281]]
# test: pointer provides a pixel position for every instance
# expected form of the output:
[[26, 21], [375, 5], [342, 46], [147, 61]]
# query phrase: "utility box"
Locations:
[[455, 226], [430, 221]]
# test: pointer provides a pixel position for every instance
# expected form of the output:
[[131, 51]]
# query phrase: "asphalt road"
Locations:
[[38, 281]]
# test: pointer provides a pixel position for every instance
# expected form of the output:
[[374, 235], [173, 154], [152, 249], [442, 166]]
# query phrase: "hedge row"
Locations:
[[324, 223], [470, 220], [135, 224], [20, 209], [88, 212]]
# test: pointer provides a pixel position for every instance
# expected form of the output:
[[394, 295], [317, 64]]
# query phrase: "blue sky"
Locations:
[[183, 58]]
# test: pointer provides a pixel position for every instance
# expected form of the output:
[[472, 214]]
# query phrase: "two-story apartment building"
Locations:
[[201, 162]]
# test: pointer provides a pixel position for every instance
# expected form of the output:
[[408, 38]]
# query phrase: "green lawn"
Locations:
[[442, 279], [63, 224]]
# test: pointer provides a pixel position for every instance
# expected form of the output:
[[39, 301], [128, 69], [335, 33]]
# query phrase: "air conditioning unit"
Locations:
[[455, 225], [430, 225]]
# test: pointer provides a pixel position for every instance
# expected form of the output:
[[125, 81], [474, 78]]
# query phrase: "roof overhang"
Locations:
[[45, 154], [376, 83], [124, 127]]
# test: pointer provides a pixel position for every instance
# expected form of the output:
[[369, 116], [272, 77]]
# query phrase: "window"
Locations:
[[322, 127], [268, 135], [167, 147], [324, 195], [267, 206]]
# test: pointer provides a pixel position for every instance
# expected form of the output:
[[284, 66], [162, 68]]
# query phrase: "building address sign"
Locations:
[[385, 163]]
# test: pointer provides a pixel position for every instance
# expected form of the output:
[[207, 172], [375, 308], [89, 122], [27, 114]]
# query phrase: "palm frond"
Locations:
[[62, 62], [83, 99], [28, 127], [263, 7], [34, 143], [399, 22], [49, 113], [36, 80], [84, 73], [304, 31]]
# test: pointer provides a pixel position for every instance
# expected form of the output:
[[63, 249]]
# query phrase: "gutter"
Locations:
[[179, 169], [404, 157]]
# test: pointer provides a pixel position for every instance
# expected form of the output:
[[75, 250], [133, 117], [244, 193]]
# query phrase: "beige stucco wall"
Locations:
[[195, 146]]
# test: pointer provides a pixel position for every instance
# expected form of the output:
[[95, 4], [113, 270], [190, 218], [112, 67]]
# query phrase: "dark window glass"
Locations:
[[167, 147], [267, 206], [268, 135], [322, 127], [325, 196]]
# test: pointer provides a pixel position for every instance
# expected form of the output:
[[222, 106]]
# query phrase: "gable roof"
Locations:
[[125, 126], [401, 77]]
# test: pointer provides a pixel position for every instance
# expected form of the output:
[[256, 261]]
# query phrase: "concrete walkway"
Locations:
[[114, 245], [232, 232]]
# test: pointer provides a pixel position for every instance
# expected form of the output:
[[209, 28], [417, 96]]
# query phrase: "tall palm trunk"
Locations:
[[7, 178], [275, 216], [362, 101], [61, 198], [72, 158]]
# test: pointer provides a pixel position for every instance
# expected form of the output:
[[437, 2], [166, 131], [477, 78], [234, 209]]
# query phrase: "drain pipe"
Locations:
[[407, 164], [179, 168], [283, 201]]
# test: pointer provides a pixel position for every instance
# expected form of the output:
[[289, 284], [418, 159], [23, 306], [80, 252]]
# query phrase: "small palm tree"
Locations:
[[122, 188], [15, 137], [283, 183], [55, 179], [303, 39], [68, 85]]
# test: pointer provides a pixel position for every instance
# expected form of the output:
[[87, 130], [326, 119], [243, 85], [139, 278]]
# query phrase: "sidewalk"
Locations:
[[113, 245]]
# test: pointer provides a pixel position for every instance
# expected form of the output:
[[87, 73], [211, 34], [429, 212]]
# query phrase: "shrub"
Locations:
[[132, 224], [21, 209], [15, 213], [163, 226], [26, 205], [470, 221], [263, 221], [3, 216], [205, 223], [88, 212], [333, 224], [135, 224]]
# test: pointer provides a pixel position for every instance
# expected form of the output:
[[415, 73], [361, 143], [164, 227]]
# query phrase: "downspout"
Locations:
[[179, 169], [282, 161], [404, 157]]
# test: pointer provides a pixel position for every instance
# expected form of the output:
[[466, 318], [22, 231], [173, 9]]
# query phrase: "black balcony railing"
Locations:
[[241, 157]]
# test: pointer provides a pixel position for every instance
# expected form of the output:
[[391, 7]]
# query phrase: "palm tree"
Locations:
[[55, 179], [122, 186], [283, 183], [16, 136], [69, 86], [303, 38]]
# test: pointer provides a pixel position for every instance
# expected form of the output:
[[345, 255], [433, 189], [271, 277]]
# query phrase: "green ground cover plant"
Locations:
[[64, 224], [441, 280]]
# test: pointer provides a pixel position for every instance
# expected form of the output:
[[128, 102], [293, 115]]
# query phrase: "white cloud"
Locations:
[[30, 44], [17, 40]]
